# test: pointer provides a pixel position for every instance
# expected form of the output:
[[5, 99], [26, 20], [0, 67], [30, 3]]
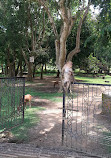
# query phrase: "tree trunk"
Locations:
[[30, 72], [11, 69], [24, 67], [17, 70], [41, 75], [45, 68], [6, 69], [21, 72], [34, 70], [57, 46], [58, 73]]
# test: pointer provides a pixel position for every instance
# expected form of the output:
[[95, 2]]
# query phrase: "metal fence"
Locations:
[[86, 124], [11, 102]]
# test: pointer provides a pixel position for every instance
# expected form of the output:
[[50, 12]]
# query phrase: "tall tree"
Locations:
[[69, 12], [10, 36], [35, 33]]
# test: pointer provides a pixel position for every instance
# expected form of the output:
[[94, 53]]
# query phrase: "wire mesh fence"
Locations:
[[39, 125], [87, 121], [11, 102]]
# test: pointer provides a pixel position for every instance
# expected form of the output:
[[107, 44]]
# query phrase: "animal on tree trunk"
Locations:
[[67, 76]]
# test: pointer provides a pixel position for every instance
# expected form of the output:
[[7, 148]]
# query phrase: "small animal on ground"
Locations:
[[67, 76], [27, 99], [56, 83]]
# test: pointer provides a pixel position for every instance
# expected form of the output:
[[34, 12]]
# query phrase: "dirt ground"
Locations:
[[47, 133]]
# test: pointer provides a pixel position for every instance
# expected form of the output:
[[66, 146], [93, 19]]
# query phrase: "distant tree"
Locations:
[[42, 58], [93, 64], [102, 45], [23, 28], [10, 36]]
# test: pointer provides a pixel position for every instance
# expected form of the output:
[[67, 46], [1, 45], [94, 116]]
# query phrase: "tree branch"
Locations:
[[67, 20], [77, 48], [25, 57], [44, 4], [63, 10], [72, 21], [42, 33]]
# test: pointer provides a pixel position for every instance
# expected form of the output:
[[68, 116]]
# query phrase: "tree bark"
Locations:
[[11, 70], [45, 67], [41, 74], [21, 71], [17, 70], [30, 72], [10, 65], [34, 68]]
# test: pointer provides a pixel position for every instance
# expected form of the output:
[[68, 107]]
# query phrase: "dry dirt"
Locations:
[[47, 133]]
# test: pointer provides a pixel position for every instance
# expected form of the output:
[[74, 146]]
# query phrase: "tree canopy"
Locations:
[[56, 30]]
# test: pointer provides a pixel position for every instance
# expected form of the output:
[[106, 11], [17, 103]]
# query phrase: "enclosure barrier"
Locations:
[[86, 123], [11, 102]]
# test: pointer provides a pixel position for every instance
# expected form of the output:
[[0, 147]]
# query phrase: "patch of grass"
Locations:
[[31, 119], [55, 97], [47, 74], [97, 80]]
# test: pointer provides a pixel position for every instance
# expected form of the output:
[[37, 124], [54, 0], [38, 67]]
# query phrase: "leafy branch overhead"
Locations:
[[54, 31]]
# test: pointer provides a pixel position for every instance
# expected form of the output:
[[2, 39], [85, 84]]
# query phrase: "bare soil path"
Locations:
[[47, 133]]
